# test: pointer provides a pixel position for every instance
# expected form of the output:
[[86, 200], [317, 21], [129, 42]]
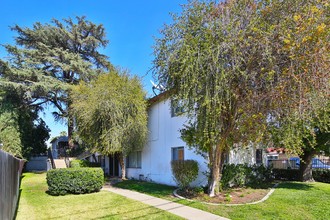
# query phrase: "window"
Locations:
[[259, 156], [134, 160], [177, 153], [177, 108], [272, 157]]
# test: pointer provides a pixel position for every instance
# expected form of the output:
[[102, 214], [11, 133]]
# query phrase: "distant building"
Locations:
[[59, 145]]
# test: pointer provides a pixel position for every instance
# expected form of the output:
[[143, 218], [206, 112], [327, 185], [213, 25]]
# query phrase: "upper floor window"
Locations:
[[134, 160], [178, 153], [177, 108]]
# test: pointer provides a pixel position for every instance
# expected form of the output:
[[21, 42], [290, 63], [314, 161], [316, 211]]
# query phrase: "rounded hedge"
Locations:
[[74, 180], [184, 172], [321, 175]]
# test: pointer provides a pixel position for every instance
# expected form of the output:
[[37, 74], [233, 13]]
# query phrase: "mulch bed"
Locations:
[[231, 196]]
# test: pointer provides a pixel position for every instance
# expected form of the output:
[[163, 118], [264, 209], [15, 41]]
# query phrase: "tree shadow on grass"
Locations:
[[64, 193], [19, 195], [149, 209], [295, 186], [153, 210], [158, 190]]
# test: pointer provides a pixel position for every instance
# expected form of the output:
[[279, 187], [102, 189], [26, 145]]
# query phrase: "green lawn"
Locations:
[[36, 204], [291, 200]]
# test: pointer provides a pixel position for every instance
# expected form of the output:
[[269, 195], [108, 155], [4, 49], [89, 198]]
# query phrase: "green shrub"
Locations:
[[241, 175], [321, 175], [78, 163], [286, 174], [74, 180], [199, 190], [83, 163], [184, 172], [258, 174], [233, 175]]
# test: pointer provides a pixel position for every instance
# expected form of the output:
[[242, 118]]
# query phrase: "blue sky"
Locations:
[[130, 26]]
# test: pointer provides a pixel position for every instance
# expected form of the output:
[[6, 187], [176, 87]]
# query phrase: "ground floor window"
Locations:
[[178, 153], [134, 160]]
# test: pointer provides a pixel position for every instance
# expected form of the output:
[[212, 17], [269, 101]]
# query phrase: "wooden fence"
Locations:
[[10, 173]]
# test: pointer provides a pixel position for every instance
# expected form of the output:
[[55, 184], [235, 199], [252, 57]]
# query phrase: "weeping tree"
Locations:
[[214, 58], [49, 58], [300, 37], [111, 115], [244, 68]]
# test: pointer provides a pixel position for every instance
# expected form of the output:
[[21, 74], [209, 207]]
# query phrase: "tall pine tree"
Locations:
[[48, 58]]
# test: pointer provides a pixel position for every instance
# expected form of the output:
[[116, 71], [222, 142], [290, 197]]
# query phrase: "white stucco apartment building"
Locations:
[[164, 144]]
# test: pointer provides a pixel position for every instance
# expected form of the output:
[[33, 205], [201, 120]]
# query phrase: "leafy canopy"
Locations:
[[22, 132], [48, 58], [299, 33], [210, 58], [244, 66], [111, 113]]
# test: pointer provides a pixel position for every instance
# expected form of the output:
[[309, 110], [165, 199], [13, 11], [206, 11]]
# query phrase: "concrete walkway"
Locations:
[[172, 207], [59, 163]]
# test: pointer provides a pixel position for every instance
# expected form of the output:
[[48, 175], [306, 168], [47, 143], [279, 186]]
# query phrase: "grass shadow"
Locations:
[[114, 215], [17, 206], [74, 214], [158, 190], [19, 195], [295, 186], [68, 193], [264, 185]]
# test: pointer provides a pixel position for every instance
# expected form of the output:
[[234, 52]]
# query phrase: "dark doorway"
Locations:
[[113, 165], [259, 156]]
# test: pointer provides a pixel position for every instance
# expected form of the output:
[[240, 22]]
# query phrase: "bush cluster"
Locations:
[[184, 172], [83, 163], [243, 175], [74, 180], [286, 174], [321, 175]]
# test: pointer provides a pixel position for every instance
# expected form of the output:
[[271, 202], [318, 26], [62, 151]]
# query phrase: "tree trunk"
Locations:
[[122, 166], [214, 181], [70, 132], [306, 167]]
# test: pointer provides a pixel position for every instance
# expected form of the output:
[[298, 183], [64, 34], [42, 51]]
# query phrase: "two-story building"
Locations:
[[153, 163]]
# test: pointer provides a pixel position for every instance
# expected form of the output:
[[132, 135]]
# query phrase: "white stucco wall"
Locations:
[[164, 135], [245, 155], [157, 154]]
